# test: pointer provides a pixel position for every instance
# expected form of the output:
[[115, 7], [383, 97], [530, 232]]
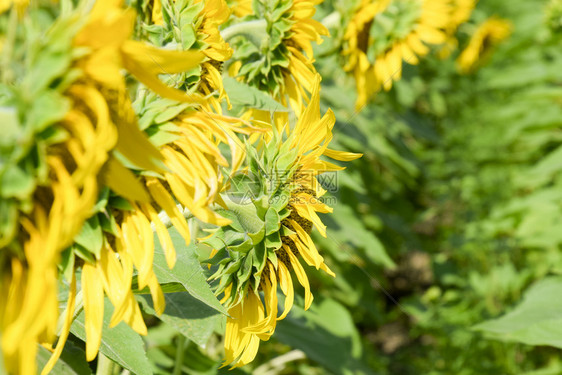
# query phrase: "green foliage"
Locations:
[[120, 343], [247, 96], [535, 321], [187, 272], [72, 361], [263, 53], [29, 110], [187, 315], [327, 335]]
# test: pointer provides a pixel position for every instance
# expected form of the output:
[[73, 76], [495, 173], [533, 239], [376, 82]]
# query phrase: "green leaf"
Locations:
[[188, 36], [241, 94], [11, 128], [537, 320], [66, 263], [48, 66], [247, 216], [166, 288], [244, 247], [272, 221], [103, 198], [83, 253], [91, 236], [71, 362], [187, 271], [45, 110], [327, 335], [108, 223], [17, 182], [346, 226], [170, 113], [120, 343], [189, 316]]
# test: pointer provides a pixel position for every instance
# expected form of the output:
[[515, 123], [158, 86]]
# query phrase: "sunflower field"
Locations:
[[279, 187]]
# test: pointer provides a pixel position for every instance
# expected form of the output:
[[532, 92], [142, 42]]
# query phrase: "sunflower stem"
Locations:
[[277, 364], [78, 307], [105, 365], [332, 20], [179, 356], [166, 219], [254, 30]]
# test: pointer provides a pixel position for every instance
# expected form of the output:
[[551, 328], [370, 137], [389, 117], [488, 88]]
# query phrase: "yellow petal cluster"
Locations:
[[300, 73], [462, 9], [216, 51], [372, 76], [30, 313], [102, 119], [241, 8], [485, 38]]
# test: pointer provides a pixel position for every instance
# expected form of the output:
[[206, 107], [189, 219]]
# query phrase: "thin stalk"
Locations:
[[78, 307], [251, 29], [179, 355], [332, 20], [105, 365], [166, 219]]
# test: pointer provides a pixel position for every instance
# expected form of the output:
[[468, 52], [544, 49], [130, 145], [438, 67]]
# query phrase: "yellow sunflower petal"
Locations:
[[301, 276], [92, 289], [65, 328], [286, 284]]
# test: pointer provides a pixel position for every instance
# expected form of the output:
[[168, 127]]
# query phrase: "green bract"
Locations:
[[394, 23], [182, 20], [258, 202], [31, 105], [263, 53]]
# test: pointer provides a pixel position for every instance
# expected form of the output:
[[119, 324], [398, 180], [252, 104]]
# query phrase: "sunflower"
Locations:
[[204, 36], [187, 145], [300, 74], [20, 5], [384, 33], [76, 119], [284, 65], [214, 14], [490, 33], [59, 140], [106, 34], [241, 8], [192, 160], [461, 11], [270, 229]]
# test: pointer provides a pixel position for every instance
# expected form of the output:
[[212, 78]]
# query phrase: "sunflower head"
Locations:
[[53, 146], [461, 12], [240, 8], [273, 207], [194, 25], [273, 49], [384, 33], [482, 43]]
